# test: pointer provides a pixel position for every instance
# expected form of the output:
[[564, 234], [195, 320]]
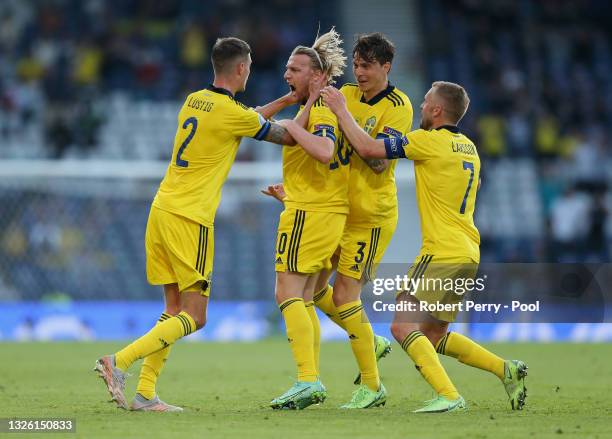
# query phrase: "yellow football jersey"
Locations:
[[211, 124], [310, 184], [373, 197], [447, 171]]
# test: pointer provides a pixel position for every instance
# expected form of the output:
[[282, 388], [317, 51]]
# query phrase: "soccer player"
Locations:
[[179, 238], [381, 110], [316, 207], [447, 170]]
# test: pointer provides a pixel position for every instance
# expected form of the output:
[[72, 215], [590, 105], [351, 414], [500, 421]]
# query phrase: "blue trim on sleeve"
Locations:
[[394, 146], [263, 131], [328, 134]]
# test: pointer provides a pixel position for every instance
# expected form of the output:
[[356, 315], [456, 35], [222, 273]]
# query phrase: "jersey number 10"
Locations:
[[343, 157]]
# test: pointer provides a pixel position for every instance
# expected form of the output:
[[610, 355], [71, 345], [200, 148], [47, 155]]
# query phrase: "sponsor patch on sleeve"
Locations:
[[392, 132], [321, 127]]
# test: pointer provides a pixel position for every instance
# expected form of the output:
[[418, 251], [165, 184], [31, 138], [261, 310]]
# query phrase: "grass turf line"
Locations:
[[225, 387]]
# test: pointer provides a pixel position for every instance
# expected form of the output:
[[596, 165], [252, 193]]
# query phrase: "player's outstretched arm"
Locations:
[[279, 134], [320, 148], [369, 149], [271, 108]]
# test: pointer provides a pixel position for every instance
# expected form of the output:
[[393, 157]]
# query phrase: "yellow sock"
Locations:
[[301, 337], [471, 353], [323, 300], [361, 336], [160, 336], [422, 352], [316, 328], [152, 366]]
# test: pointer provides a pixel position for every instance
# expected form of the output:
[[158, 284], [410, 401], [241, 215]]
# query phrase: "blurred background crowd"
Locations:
[[538, 73], [103, 80]]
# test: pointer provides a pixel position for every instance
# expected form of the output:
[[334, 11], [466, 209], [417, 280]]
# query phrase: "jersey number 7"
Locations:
[[470, 166]]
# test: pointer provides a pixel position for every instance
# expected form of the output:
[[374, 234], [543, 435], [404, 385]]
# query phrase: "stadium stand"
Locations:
[[104, 80], [540, 88]]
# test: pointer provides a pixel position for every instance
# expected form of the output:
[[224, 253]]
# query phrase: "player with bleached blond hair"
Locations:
[[316, 208], [382, 111]]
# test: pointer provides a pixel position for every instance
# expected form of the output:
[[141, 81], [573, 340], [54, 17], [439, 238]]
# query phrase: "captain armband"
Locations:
[[394, 147]]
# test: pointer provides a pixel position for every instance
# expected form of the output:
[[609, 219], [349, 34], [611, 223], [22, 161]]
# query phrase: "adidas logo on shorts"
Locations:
[[355, 268]]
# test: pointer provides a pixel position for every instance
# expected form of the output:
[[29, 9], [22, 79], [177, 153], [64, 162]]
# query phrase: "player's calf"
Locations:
[[195, 304]]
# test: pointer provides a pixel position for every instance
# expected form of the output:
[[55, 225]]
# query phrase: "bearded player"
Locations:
[[316, 207], [447, 172], [381, 110]]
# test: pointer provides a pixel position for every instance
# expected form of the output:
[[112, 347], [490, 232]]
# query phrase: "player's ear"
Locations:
[[240, 68], [437, 110], [387, 67]]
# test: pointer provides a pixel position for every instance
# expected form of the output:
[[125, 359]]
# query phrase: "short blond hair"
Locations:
[[326, 54], [456, 99]]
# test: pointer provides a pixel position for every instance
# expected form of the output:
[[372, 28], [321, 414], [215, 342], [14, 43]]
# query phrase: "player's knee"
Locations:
[[434, 334], [281, 296], [346, 290], [173, 309], [340, 297], [401, 329], [200, 321], [398, 330]]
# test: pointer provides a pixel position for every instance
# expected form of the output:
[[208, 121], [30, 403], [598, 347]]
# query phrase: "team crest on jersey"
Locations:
[[370, 124]]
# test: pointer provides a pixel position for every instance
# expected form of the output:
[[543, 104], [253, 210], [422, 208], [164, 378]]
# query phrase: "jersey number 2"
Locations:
[[194, 125], [470, 166]]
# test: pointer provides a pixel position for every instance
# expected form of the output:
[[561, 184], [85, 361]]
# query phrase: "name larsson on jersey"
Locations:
[[464, 148]]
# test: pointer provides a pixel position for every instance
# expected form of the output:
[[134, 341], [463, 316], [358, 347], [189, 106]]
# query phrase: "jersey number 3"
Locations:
[[194, 125]]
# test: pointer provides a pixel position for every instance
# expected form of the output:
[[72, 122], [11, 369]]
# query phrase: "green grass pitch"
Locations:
[[225, 387]]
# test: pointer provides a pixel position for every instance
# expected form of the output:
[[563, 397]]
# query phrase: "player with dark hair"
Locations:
[[179, 238], [381, 110]]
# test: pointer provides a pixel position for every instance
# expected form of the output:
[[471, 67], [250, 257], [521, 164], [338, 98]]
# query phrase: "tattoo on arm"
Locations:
[[279, 135], [377, 165]]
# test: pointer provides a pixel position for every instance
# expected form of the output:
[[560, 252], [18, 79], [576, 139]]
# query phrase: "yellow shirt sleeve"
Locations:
[[323, 122], [246, 122], [419, 145], [397, 122]]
